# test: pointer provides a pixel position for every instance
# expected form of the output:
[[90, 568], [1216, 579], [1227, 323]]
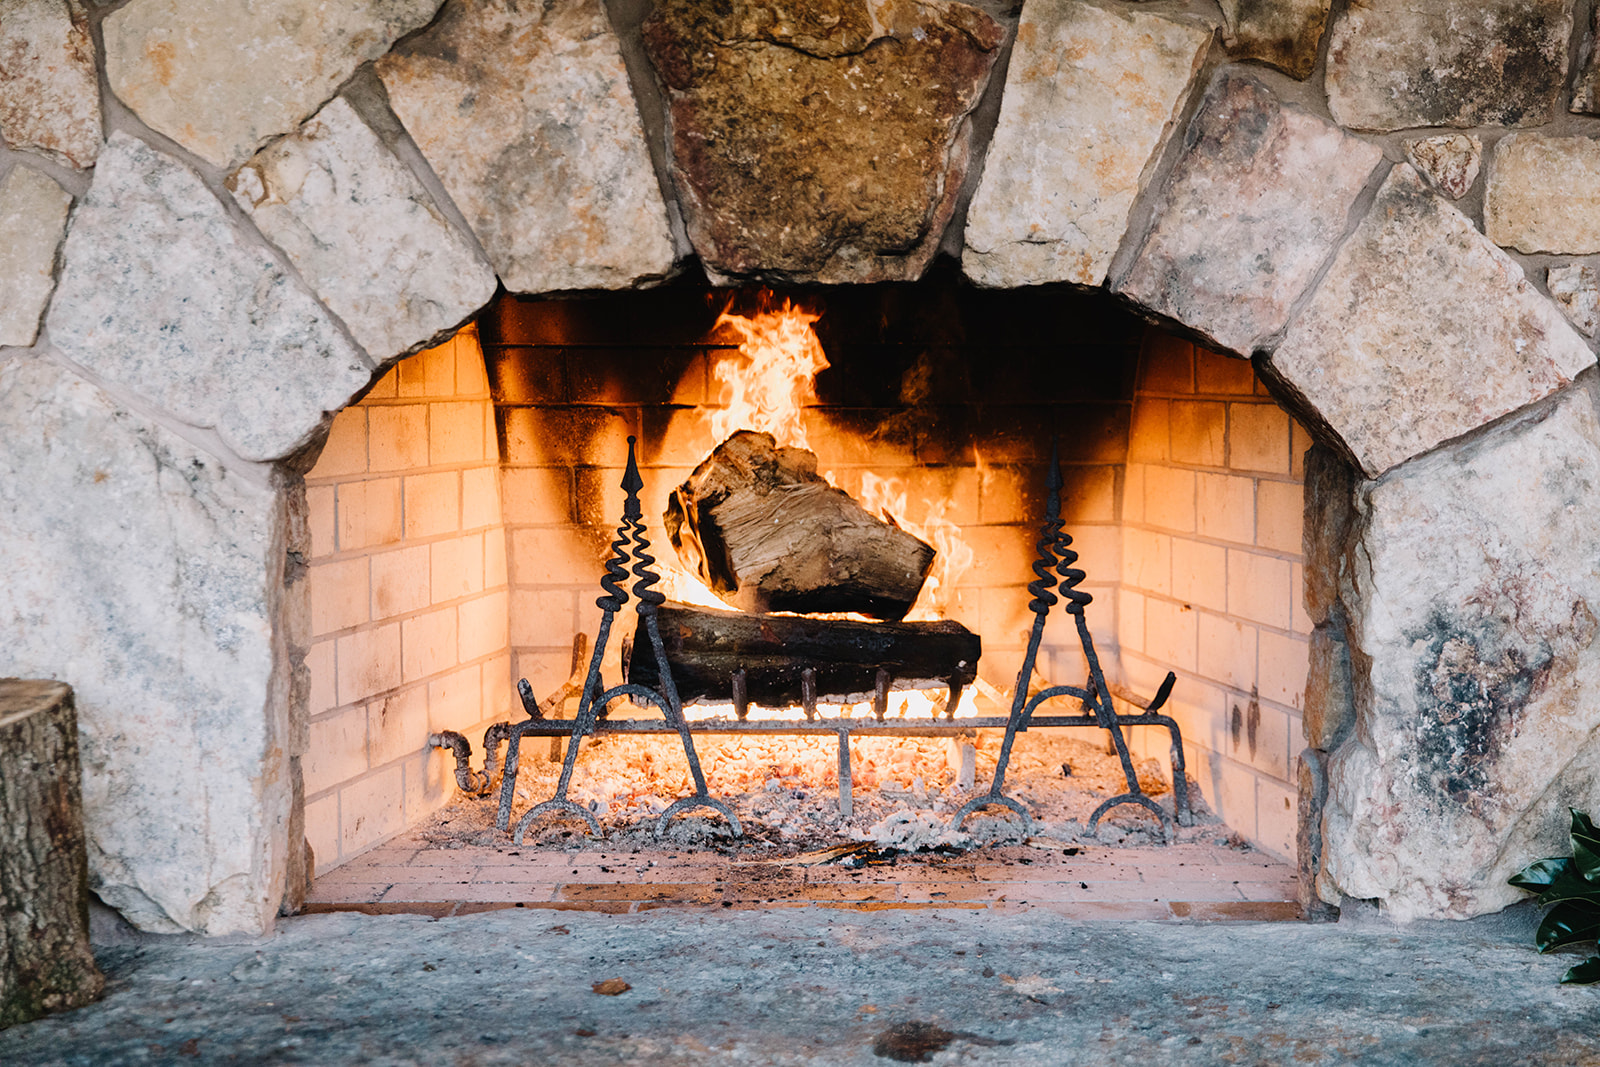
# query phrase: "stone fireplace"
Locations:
[[266, 507]]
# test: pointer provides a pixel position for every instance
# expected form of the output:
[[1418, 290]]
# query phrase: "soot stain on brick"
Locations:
[[1473, 678]]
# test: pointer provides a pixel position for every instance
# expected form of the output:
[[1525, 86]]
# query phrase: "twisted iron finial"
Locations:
[[633, 516], [617, 565], [1043, 599], [1070, 576]]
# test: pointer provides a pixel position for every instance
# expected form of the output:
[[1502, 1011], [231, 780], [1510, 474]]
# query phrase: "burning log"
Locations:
[[766, 533], [706, 648]]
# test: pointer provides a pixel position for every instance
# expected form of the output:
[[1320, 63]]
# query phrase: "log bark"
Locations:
[[766, 533], [45, 961], [705, 648]]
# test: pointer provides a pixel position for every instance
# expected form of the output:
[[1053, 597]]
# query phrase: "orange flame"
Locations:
[[774, 376], [955, 558]]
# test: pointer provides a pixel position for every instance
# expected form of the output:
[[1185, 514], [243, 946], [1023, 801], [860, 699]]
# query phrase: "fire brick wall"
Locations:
[[408, 597], [1212, 580]]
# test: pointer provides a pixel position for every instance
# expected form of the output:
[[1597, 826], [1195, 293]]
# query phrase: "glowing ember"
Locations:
[[774, 376]]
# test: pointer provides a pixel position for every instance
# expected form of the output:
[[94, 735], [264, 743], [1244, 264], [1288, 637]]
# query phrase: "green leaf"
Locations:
[[1536, 876], [1585, 973], [1570, 885], [1571, 922], [1585, 845]]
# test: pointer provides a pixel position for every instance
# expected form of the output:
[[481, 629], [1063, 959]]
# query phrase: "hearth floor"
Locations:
[[1182, 881]]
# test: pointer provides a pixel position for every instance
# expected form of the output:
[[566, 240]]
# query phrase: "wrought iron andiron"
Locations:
[[594, 702], [1055, 551]]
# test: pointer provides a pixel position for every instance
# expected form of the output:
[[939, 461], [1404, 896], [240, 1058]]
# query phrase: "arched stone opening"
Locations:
[[203, 325]]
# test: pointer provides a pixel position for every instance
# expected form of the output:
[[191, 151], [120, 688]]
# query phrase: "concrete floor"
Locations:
[[824, 986]]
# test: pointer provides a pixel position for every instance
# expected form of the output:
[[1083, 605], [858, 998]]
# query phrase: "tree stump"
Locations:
[[45, 962]]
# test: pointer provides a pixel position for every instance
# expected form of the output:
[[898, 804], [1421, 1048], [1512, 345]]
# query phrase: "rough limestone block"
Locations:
[[1422, 330], [33, 216], [1480, 709], [221, 77], [45, 962], [1542, 195], [1450, 162], [1576, 288], [1284, 33], [363, 233], [49, 94], [526, 114], [1090, 98], [152, 577], [160, 293], [1395, 64], [852, 171], [1256, 203]]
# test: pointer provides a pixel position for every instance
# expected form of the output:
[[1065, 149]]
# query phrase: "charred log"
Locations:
[[766, 533], [706, 648]]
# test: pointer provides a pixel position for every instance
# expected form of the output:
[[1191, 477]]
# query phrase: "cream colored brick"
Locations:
[[321, 662], [1199, 708], [322, 832], [547, 669], [1280, 509], [1260, 588], [399, 436], [369, 513], [429, 783], [370, 810], [480, 497], [1147, 560], [1258, 438], [1215, 373], [431, 372], [1284, 665], [491, 437], [1233, 794], [386, 387], [1200, 574], [1300, 621], [432, 504], [542, 618], [500, 699], [536, 495], [369, 663], [494, 557], [428, 644], [397, 725], [1270, 752], [1227, 651], [320, 520], [1169, 633], [1169, 498], [457, 568], [339, 595], [1089, 495], [400, 582], [346, 449], [470, 377], [484, 626], [455, 432], [561, 555], [1099, 551], [1130, 620], [1199, 432], [1299, 443], [1148, 433], [1133, 493], [1277, 819], [338, 750], [1167, 364], [1226, 506], [455, 700]]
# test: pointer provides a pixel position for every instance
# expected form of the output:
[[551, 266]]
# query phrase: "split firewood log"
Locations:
[[767, 533]]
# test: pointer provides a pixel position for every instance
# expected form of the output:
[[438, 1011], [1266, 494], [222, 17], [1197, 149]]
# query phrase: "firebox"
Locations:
[[935, 405]]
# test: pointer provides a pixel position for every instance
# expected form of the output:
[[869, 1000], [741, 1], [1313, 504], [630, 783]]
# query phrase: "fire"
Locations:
[[955, 558], [767, 386]]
